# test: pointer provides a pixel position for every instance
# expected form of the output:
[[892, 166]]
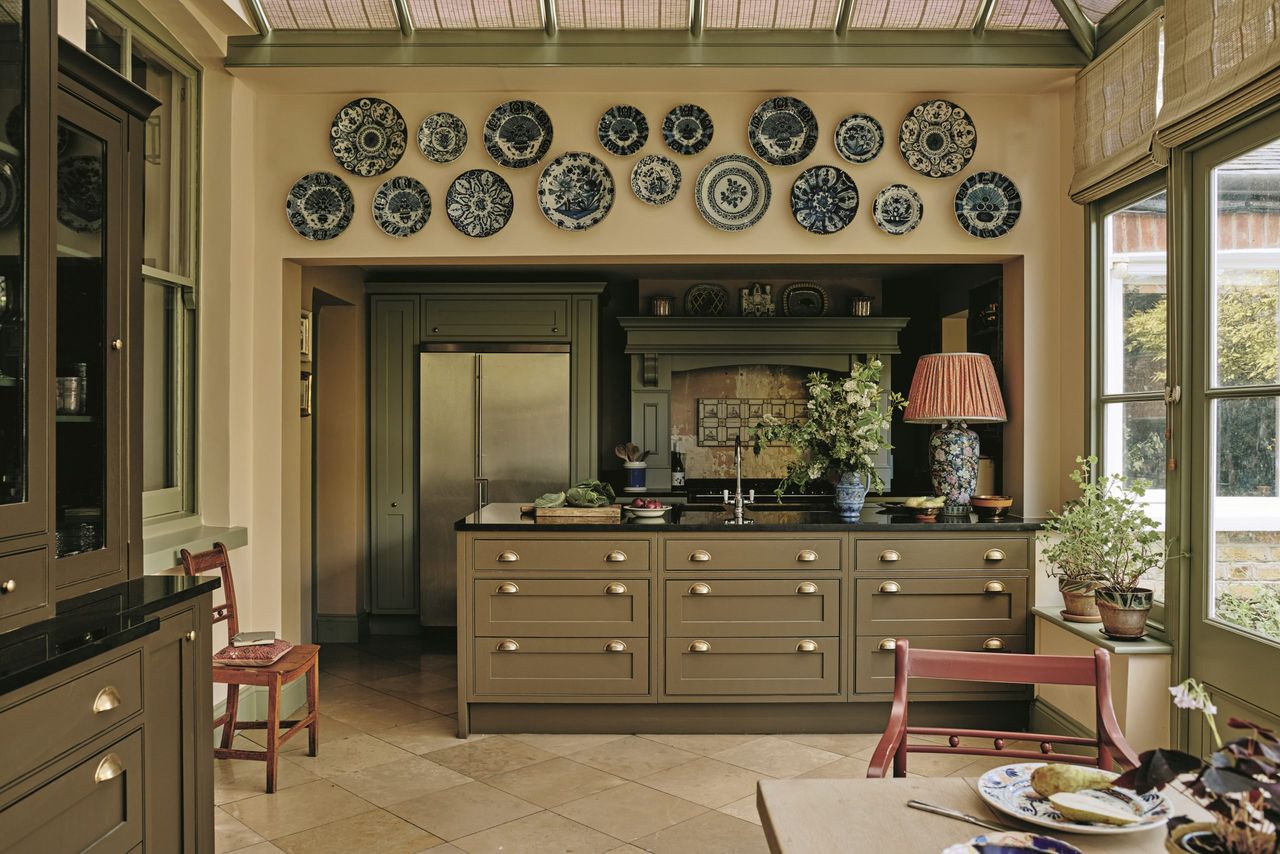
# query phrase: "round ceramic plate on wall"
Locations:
[[320, 206], [479, 203], [687, 129], [733, 192], [782, 131], [368, 137], [655, 179], [824, 199], [517, 134], [623, 130], [442, 137], [401, 206], [575, 191], [988, 204], [937, 138], [859, 138], [897, 209]]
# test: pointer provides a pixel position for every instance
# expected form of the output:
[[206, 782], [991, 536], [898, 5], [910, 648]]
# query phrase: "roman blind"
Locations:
[[1117, 101]]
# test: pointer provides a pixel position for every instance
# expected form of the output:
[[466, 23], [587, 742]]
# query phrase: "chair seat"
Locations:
[[295, 663]]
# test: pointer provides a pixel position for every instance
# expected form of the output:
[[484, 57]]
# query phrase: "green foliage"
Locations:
[[1259, 613], [589, 493], [846, 425]]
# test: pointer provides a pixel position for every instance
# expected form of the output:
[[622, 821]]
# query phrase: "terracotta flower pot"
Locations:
[[1124, 612], [1078, 601], [1199, 837]]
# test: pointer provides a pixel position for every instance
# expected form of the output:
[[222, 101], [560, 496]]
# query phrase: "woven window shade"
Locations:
[[1117, 99], [1222, 58]]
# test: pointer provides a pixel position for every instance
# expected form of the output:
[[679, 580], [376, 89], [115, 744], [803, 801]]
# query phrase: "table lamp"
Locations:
[[954, 390]]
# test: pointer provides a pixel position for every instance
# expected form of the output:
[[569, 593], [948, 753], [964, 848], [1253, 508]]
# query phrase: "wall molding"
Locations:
[[341, 628]]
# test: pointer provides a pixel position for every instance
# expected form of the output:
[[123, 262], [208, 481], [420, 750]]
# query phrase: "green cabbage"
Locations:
[[550, 499]]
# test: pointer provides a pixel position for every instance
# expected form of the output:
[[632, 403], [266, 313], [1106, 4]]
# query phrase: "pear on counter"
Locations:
[[1049, 780], [1083, 806]]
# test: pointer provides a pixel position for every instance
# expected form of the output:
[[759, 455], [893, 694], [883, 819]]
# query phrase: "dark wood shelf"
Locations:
[[75, 419]]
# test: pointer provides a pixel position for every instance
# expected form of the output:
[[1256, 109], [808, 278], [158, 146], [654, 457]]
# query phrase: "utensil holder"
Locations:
[[635, 476]]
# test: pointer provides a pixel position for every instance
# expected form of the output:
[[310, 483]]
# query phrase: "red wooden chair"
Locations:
[[1004, 667], [302, 660]]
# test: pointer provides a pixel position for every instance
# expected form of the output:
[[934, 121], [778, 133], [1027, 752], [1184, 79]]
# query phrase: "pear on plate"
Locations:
[[1049, 780], [1082, 806]]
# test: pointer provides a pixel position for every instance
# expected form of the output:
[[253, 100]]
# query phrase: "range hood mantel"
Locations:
[[757, 336]]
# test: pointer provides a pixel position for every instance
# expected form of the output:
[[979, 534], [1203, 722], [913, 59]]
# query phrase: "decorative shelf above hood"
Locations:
[[757, 336]]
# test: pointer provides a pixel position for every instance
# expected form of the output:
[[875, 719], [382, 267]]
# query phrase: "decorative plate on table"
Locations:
[[937, 138], [623, 130], [80, 193], [706, 300], [733, 192], [401, 206], [824, 199], [1011, 841], [782, 131], [859, 138], [804, 299], [1008, 789], [687, 129], [655, 179], [897, 209], [479, 203], [575, 191], [988, 204], [368, 137], [320, 206], [442, 137], [10, 194], [517, 134]]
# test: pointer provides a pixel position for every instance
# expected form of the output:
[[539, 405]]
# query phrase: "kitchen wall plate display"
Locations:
[[479, 203], [655, 179], [733, 192], [320, 206], [706, 300], [897, 209], [80, 193], [368, 137], [687, 129], [859, 138], [988, 204], [805, 299], [824, 199], [623, 130], [517, 134], [401, 206], [442, 137], [575, 191], [782, 131], [937, 138]]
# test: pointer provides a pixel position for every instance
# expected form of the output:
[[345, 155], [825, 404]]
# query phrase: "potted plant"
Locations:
[[848, 419], [1239, 785]]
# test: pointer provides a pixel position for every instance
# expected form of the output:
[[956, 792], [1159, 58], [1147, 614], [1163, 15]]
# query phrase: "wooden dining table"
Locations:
[[863, 815]]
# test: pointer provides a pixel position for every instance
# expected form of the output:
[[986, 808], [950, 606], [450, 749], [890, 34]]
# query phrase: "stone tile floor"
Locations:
[[393, 778]]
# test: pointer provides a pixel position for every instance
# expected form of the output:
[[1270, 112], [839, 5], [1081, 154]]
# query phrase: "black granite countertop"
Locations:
[[89, 625], [703, 518]]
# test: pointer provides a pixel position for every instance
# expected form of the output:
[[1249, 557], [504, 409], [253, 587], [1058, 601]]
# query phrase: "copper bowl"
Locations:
[[990, 506]]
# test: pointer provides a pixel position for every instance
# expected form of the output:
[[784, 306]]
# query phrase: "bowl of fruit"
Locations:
[[647, 508], [925, 508]]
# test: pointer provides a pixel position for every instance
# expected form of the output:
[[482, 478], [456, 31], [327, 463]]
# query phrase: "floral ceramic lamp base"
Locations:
[[953, 462]]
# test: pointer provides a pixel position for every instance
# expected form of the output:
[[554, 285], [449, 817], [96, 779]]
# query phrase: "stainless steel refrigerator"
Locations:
[[494, 427]]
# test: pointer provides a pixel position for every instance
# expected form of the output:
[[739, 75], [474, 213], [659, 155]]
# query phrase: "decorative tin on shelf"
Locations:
[[660, 306]]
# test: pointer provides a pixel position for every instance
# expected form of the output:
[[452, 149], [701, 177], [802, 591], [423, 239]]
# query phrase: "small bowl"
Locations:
[[926, 514], [990, 506], [647, 512]]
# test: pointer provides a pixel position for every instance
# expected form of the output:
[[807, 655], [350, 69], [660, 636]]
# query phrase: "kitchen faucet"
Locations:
[[736, 502]]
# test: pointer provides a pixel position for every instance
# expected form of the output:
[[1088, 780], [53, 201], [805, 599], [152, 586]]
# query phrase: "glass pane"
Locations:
[[1133, 445], [165, 221], [1246, 515], [1134, 308], [1246, 268], [158, 387], [103, 38], [13, 320], [80, 360]]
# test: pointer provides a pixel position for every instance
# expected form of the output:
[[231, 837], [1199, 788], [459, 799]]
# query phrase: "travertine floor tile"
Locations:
[[845, 768], [229, 834], [260, 848], [630, 811], [236, 779], [330, 730], [362, 668], [432, 733], [297, 809], [625, 849], [381, 712], [776, 757], [846, 744], [744, 809], [399, 780], [704, 781], [704, 745], [347, 755], [463, 810], [484, 758], [554, 782], [931, 764], [376, 832], [413, 685], [632, 757], [710, 833], [540, 833], [443, 702], [565, 744]]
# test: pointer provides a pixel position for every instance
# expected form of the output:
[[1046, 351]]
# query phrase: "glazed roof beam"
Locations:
[[1078, 24], [550, 23], [402, 16], [259, 17], [697, 14], [845, 17], [980, 21]]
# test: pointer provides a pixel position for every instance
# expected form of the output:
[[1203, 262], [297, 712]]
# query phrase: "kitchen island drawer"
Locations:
[[565, 608], [873, 662], [24, 587], [753, 608], [943, 553], [941, 605], [794, 666], [606, 554], [528, 666], [752, 552]]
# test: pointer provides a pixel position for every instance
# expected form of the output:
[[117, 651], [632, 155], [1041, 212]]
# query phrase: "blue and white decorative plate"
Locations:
[[575, 191], [897, 209], [479, 203], [859, 138], [655, 179], [517, 134], [10, 194], [824, 199], [80, 193], [782, 131], [401, 206], [1012, 842], [988, 204], [937, 138], [687, 129], [733, 192], [368, 137], [1008, 789], [320, 206], [623, 130], [442, 137]]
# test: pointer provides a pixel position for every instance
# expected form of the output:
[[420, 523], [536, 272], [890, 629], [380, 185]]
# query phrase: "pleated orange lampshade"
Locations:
[[955, 387]]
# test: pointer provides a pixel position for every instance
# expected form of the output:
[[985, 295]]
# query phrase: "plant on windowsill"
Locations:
[[1240, 785], [848, 419]]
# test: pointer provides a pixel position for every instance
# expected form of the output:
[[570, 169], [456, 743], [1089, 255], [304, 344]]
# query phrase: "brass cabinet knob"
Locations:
[[108, 769], [190, 636], [807, 646], [616, 556], [806, 587], [993, 554], [108, 698], [506, 588], [699, 646], [117, 344], [807, 556], [887, 644], [8, 586], [700, 556], [993, 587], [890, 556], [700, 589], [993, 644], [508, 557], [615, 588], [508, 646], [615, 646], [889, 587]]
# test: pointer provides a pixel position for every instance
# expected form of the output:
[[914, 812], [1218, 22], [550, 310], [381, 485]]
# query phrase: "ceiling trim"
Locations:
[[1123, 18], [714, 48], [1079, 25]]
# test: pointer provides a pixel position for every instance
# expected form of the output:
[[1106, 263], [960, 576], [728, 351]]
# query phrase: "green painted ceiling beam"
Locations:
[[716, 48], [1123, 18], [1079, 25]]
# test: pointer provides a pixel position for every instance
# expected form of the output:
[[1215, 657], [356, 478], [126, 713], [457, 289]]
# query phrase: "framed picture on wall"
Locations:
[[306, 394], [304, 336]]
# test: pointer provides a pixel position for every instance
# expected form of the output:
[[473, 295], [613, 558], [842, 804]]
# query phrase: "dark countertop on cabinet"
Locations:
[[89, 625]]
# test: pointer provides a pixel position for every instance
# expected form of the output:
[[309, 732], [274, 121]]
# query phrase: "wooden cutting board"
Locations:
[[611, 513]]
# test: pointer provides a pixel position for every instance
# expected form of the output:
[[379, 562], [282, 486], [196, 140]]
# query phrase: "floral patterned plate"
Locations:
[[988, 204], [479, 203], [623, 130], [937, 138], [1008, 789], [733, 192], [859, 138], [897, 209], [782, 131], [575, 191], [401, 206], [655, 179], [442, 137], [368, 137], [824, 199], [687, 129], [1012, 842], [517, 134], [320, 206]]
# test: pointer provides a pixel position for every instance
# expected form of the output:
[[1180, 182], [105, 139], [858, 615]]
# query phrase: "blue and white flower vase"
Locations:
[[953, 462], [851, 494]]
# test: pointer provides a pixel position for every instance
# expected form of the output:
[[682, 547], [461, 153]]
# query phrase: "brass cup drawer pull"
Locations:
[[700, 589], [8, 586], [108, 769], [993, 555], [993, 587], [507, 588], [615, 646], [616, 556], [806, 588], [508, 556], [807, 646], [889, 587], [993, 644], [615, 588], [887, 644], [807, 556], [508, 646], [699, 646], [700, 556], [890, 556], [108, 698]]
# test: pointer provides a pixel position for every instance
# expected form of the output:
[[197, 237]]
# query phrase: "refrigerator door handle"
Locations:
[[482, 492]]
